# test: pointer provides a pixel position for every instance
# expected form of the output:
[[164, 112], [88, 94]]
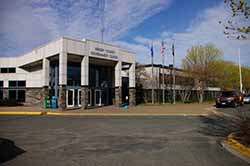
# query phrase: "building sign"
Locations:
[[104, 53]]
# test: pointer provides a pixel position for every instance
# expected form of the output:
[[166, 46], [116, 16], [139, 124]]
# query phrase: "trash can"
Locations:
[[54, 102], [47, 102]]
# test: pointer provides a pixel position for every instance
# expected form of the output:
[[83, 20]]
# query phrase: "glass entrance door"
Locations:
[[89, 97], [79, 96], [98, 97], [73, 98], [70, 98]]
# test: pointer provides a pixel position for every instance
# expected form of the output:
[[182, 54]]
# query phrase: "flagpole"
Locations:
[[240, 71], [152, 81], [173, 74], [163, 73]]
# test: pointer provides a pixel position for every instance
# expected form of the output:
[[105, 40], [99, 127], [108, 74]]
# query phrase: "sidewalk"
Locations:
[[157, 110]]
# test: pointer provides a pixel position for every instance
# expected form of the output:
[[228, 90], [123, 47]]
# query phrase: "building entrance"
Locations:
[[73, 98], [98, 97]]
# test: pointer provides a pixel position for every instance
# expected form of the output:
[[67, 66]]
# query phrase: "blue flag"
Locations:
[[152, 50]]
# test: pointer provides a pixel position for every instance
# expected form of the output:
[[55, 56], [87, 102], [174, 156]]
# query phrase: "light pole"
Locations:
[[241, 85]]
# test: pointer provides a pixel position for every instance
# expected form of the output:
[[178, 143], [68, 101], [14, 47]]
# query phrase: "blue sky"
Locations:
[[26, 24]]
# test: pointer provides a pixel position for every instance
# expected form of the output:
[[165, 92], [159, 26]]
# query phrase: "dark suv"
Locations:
[[229, 98]]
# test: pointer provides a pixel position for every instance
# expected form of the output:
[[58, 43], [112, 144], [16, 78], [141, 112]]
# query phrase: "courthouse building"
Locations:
[[80, 73]]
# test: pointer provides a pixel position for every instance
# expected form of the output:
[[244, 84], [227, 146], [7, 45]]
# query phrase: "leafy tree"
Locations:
[[227, 75], [246, 79], [199, 63], [239, 25]]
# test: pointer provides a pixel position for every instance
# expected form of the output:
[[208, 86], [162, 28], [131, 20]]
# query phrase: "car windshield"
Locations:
[[247, 95], [227, 94]]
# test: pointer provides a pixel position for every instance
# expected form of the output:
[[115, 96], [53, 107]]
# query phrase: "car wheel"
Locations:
[[235, 104], [242, 103]]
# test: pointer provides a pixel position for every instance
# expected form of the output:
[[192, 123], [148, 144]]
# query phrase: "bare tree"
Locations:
[[199, 65], [142, 79]]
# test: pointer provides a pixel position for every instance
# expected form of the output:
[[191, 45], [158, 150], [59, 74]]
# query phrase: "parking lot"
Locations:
[[127, 140]]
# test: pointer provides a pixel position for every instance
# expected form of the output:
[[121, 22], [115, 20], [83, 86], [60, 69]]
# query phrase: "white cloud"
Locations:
[[28, 23], [204, 29]]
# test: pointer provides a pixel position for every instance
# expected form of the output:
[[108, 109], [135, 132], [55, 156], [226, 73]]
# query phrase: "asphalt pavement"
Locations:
[[117, 141]]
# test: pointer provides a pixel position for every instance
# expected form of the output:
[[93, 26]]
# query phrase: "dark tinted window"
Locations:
[[4, 70], [12, 70], [12, 83], [1, 84], [21, 83], [21, 95], [12, 94], [227, 94], [1, 94]]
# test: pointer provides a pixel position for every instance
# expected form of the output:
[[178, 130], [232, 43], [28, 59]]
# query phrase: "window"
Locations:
[[21, 95], [4, 70], [8, 70], [12, 95], [21, 83], [12, 70], [17, 90], [12, 84], [1, 90]]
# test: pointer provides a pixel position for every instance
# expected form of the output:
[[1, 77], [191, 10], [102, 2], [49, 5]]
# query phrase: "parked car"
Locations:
[[229, 98], [246, 98]]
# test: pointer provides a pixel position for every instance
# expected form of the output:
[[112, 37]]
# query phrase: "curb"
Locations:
[[95, 114], [22, 113], [120, 114], [236, 148]]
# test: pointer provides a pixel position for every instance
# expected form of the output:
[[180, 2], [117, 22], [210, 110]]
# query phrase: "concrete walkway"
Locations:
[[158, 110]]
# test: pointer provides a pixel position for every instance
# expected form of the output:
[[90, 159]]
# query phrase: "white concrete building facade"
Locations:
[[80, 74]]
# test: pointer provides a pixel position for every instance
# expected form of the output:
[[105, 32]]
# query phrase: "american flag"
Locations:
[[162, 48]]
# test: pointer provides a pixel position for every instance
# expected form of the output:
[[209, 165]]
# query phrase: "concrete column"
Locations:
[[62, 97], [118, 84], [85, 71], [5, 93], [132, 91], [118, 96], [118, 78], [84, 81], [62, 80], [63, 68], [132, 76], [132, 96], [45, 72], [84, 97]]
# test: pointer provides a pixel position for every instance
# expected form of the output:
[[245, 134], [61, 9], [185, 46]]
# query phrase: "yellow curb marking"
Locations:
[[238, 146], [21, 113]]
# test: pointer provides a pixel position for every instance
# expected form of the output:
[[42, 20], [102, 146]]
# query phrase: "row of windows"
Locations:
[[18, 95], [17, 84], [14, 84], [8, 70], [16, 92]]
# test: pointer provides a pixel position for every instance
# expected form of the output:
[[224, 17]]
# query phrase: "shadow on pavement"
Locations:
[[8, 150], [219, 126]]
